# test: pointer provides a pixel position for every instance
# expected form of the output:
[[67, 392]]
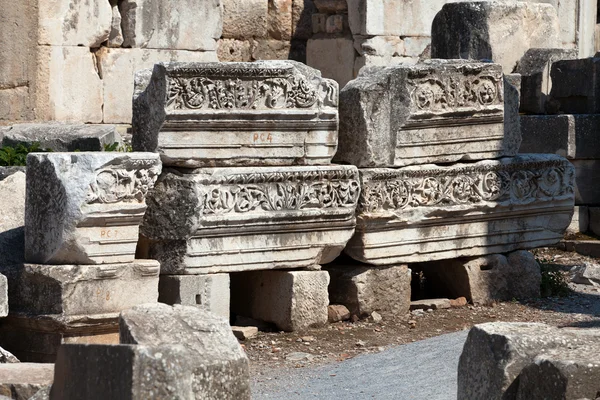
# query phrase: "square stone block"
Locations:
[[209, 292], [85, 208], [437, 111], [575, 86], [278, 113], [334, 57], [245, 19], [429, 212], [581, 221], [291, 300], [212, 220]]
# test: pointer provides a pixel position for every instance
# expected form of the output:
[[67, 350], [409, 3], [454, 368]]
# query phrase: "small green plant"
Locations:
[[17, 156], [116, 146], [555, 282]]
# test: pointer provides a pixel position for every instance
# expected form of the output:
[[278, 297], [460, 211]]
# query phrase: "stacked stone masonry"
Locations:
[[249, 185], [82, 215]]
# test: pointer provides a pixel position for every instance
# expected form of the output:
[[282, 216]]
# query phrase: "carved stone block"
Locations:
[[236, 114], [229, 219], [437, 111], [85, 208], [430, 212], [55, 304]]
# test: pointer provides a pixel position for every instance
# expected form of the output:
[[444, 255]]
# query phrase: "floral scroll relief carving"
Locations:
[[435, 93], [496, 183], [113, 185], [280, 192], [236, 93]]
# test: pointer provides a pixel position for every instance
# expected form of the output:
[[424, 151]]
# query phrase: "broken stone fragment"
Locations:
[[219, 365], [430, 212], [430, 304], [495, 354], [85, 208], [337, 313], [499, 31], [437, 111], [214, 220], [278, 113], [586, 274], [245, 332]]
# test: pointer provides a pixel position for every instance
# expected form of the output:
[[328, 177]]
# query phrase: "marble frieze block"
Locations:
[[236, 114], [429, 212], [86, 208], [437, 111], [213, 220]]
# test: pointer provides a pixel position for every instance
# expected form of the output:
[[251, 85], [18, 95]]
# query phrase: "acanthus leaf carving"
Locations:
[[113, 185]]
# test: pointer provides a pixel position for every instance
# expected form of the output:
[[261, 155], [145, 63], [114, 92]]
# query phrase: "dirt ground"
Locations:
[[271, 351]]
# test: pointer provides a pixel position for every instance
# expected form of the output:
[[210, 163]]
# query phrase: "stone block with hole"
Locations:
[[210, 292], [291, 300]]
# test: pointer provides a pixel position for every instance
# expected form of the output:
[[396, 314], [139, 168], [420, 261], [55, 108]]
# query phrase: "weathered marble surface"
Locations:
[[575, 86], [231, 219], [85, 208], [208, 292], [217, 362], [236, 114], [428, 212], [437, 111]]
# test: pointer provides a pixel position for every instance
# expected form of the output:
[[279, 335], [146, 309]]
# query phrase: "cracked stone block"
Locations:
[[281, 113], [219, 365], [209, 292], [407, 114], [493, 30], [430, 212], [292, 300], [364, 288], [215, 220], [171, 25], [86, 208]]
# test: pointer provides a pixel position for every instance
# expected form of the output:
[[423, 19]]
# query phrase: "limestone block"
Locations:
[[68, 87], [381, 61], [280, 113], [392, 17], [493, 30], [333, 56], [171, 25], [580, 222], [587, 172], [115, 38], [68, 23], [85, 208], [484, 280], [364, 289], [594, 224], [534, 68], [267, 49], [415, 45], [569, 374], [291, 300], [23, 380], [209, 292], [302, 11], [229, 50], [118, 67], [430, 212], [245, 19], [214, 220], [568, 135], [280, 19], [81, 290], [335, 24], [495, 354], [331, 6], [144, 372], [575, 87], [430, 304], [385, 46], [319, 23], [12, 217], [405, 114], [62, 136], [512, 119], [586, 274], [220, 366]]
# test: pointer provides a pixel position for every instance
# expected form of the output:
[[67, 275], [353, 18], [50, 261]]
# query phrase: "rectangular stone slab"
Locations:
[[231, 219], [434, 112], [226, 114], [85, 208], [430, 212], [70, 290]]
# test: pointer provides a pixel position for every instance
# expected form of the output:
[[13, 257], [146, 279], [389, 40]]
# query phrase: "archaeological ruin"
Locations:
[[178, 178]]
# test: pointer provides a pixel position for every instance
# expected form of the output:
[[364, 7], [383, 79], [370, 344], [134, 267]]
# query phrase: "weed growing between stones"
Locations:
[[555, 282], [17, 156]]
